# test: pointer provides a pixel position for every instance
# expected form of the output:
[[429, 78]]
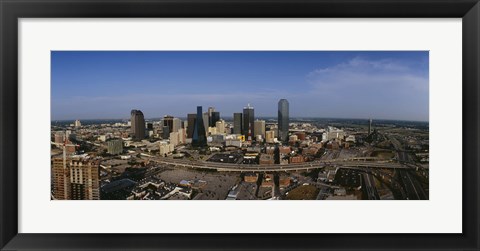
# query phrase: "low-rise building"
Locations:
[[266, 159], [333, 145], [59, 137], [251, 178], [270, 149], [267, 180], [350, 138], [285, 150], [300, 135], [292, 138], [115, 146], [233, 142], [297, 159], [218, 138]]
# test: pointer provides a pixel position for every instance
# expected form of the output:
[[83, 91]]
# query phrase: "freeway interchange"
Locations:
[[409, 188], [398, 173]]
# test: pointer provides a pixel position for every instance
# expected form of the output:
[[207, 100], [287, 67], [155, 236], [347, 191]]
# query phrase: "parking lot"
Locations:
[[231, 158]]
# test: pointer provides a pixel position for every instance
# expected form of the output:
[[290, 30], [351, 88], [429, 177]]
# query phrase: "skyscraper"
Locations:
[[61, 176], [168, 121], [77, 180], [237, 123], [283, 120], [248, 119], [84, 180], [214, 118], [220, 125], [191, 118], [199, 138], [176, 125], [206, 120], [259, 128], [138, 125], [165, 132], [210, 112]]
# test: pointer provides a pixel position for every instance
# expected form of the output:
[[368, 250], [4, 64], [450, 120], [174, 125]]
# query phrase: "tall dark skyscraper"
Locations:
[[165, 132], [199, 138], [214, 118], [168, 121], [283, 120], [210, 112], [137, 125], [237, 123], [191, 118], [248, 119]]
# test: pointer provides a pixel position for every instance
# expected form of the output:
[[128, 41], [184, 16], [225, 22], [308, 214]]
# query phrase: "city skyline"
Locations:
[[107, 85]]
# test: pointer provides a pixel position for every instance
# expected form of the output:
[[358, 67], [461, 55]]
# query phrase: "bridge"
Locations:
[[232, 167]]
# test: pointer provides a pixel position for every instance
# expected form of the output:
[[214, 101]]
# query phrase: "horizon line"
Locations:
[[300, 117]]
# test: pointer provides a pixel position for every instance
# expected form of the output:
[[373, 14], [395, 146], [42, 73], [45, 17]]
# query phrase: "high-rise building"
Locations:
[[174, 138], [76, 179], [237, 123], [259, 128], [177, 124], [248, 119], [269, 136], [168, 121], [84, 178], [61, 177], [191, 119], [138, 125], [199, 137], [165, 132], [283, 120], [220, 125], [210, 112], [165, 148], [169, 125], [206, 119], [115, 146], [182, 136], [215, 117], [369, 126], [77, 123]]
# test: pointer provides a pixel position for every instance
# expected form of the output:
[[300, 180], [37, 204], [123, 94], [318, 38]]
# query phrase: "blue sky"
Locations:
[[335, 84]]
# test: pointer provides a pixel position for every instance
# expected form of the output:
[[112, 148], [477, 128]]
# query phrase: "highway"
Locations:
[[229, 167], [369, 187], [412, 188]]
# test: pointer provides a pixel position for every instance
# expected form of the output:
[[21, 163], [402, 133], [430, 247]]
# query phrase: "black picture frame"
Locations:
[[12, 10]]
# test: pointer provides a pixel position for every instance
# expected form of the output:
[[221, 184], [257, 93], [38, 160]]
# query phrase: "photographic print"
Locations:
[[239, 125]]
